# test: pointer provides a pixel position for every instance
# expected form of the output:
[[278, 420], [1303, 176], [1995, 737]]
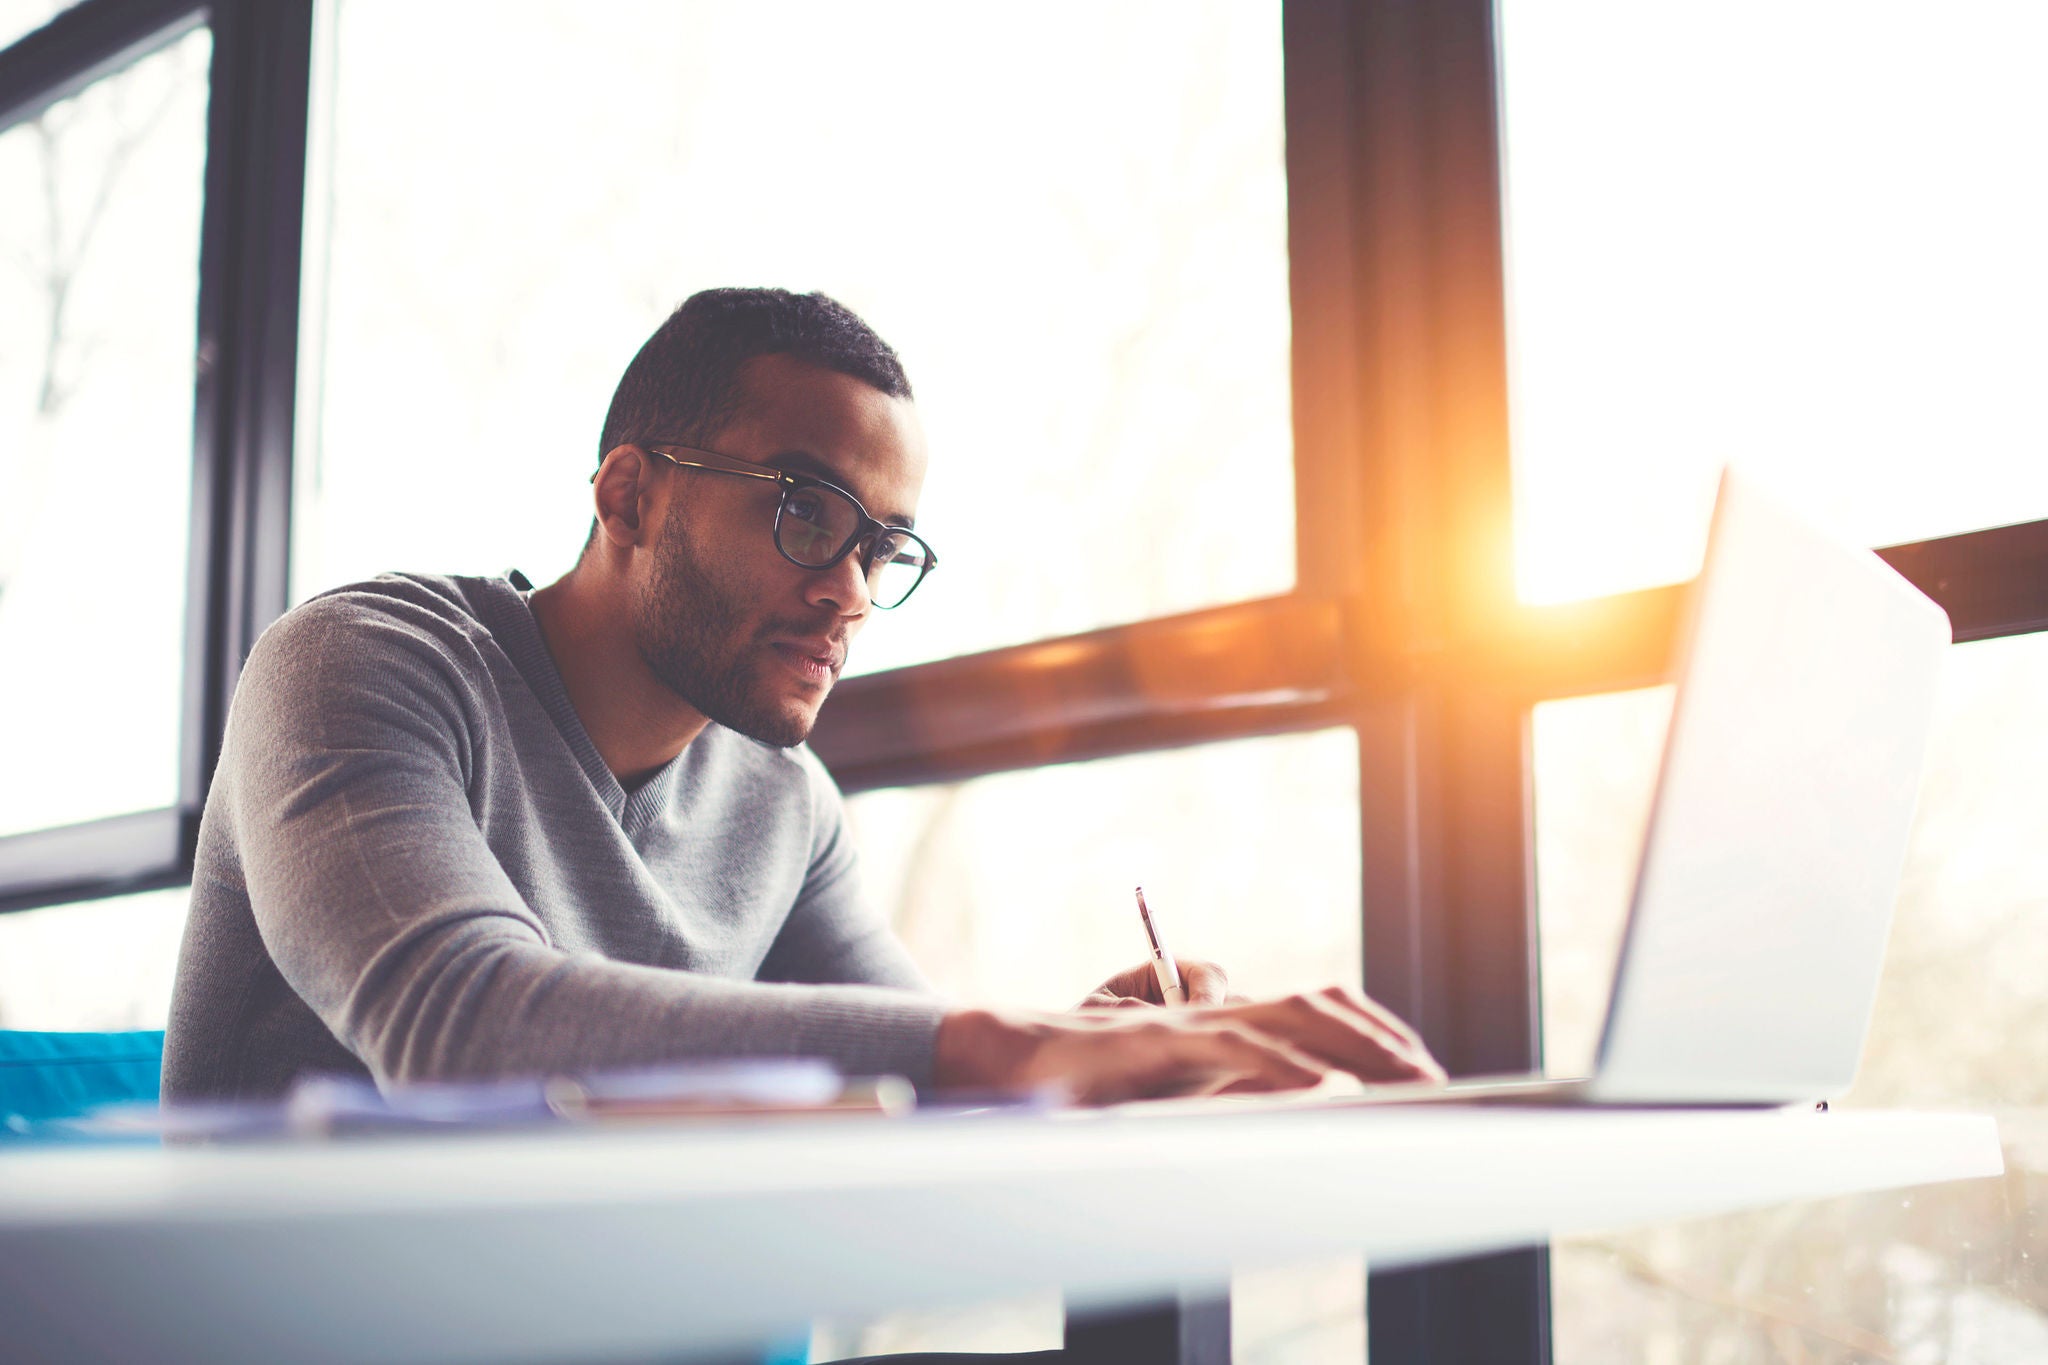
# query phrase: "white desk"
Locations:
[[632, 1243]]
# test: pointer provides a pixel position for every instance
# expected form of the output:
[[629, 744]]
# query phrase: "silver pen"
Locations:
[[1163, 965]]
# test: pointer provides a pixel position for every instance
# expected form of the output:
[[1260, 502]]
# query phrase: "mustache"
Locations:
[[826, 628]]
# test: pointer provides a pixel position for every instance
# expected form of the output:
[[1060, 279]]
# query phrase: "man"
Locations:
[[460, 829]]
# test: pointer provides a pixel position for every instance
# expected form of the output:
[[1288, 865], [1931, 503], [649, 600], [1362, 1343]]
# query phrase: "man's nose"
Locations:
[[843, 587]]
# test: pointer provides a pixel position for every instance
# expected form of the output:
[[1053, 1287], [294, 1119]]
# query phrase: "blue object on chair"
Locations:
[[46, 1076], [795, 1349]]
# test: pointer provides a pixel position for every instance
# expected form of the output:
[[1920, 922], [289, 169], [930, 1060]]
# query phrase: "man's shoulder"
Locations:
[[429, 606], [392, 620], [409, 597]]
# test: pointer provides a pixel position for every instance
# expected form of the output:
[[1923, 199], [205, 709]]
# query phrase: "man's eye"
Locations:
[[805, 505]]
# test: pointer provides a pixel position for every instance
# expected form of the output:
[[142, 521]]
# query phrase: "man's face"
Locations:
[[747, 638]]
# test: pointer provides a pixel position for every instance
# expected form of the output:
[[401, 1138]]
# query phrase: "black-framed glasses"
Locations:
[[817, 524]]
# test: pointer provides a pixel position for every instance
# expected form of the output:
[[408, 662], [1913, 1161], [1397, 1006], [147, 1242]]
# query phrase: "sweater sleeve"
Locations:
[[832, 933], [345, 772]]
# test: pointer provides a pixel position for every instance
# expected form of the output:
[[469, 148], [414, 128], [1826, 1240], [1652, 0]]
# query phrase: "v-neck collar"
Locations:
[[518, 632]]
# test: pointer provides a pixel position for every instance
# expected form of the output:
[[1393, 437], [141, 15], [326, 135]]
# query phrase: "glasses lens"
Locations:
[[816, 524], [899, 565]]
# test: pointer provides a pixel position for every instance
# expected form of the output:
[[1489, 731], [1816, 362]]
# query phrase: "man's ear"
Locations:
[[623, 492]]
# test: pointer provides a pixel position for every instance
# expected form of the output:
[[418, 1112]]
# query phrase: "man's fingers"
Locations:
[[1348, 1039], [1336, 1027], [1103, 1000], [1246, 1057], [1125, 1047], [1205, 982], [1347, 999], [1170, 1053]]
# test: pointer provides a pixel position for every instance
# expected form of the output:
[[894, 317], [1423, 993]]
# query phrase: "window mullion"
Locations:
[[248, 335]]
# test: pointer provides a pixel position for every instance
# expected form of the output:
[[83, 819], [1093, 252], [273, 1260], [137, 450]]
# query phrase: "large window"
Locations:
[[150, 156], [1079, 249], [95, 966], [1801, 235], [1210, 309], [98, 312], [1248, 849]]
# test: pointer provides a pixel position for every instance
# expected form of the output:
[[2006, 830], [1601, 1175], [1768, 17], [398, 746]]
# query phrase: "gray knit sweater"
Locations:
[[414, 864]]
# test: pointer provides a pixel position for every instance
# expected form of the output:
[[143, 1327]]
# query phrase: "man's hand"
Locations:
[[1204, 982], [1105, 1056]]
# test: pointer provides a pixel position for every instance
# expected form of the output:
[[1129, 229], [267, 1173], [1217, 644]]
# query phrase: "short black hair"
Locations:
[[684, 385]]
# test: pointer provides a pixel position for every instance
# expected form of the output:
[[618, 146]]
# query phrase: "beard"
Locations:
[[693, 633]]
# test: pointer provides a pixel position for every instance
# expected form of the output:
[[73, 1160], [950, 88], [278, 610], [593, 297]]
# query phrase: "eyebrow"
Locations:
[[800, 462]]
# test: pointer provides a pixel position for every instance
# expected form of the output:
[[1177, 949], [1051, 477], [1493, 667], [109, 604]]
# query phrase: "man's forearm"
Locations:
[[496, 1005]]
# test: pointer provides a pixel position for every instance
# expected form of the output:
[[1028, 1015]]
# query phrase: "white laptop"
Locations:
[[1764, 891]]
